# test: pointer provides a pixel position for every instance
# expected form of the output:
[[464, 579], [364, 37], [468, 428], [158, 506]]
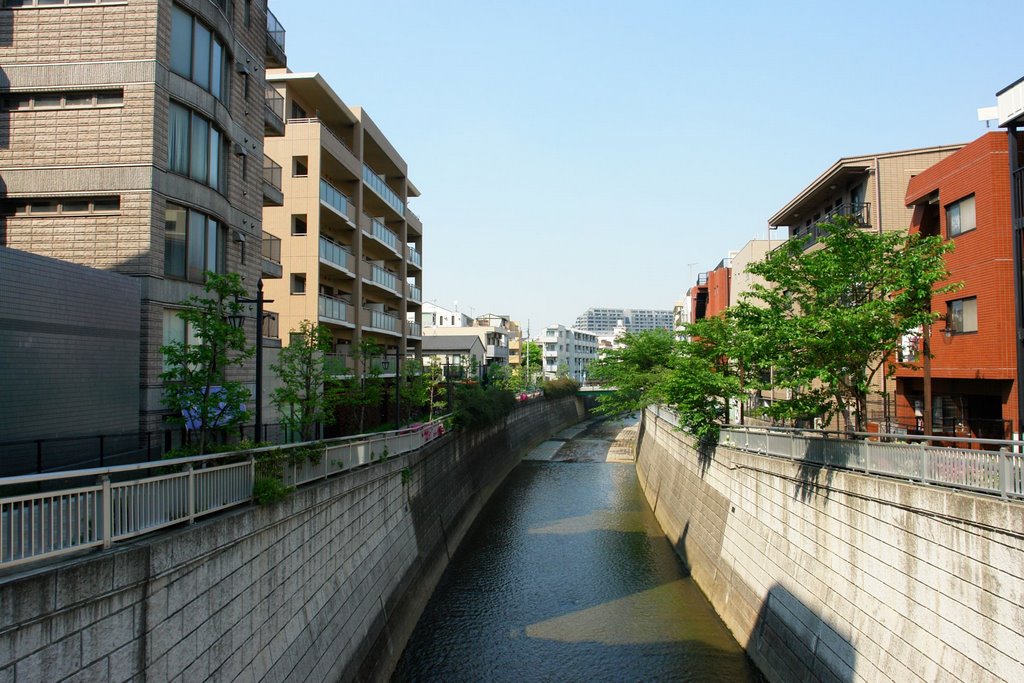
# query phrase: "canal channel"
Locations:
[[566, 576]]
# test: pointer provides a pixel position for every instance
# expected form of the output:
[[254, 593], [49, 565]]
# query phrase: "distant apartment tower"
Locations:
[[131, 140], [351, 249], [603, 320], [568, 350]]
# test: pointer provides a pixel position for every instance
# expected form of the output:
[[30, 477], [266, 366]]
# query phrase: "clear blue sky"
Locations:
[[577, 154]]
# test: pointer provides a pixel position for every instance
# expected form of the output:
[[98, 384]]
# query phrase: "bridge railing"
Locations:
[[991, 466], [110, 504]]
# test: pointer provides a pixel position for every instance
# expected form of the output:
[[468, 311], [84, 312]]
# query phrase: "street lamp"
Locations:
[[237, 321]]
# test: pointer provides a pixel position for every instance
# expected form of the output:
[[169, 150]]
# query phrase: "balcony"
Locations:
[[381, 277], [374, 228], [376, 183], [414, 222], [335, 311], [381, 321], [414, 257], [338, 364], [414, 293], [272, 194], [337, 255], [702, 279], [413, 328], [812, 234], [275, 54], [271, 251], [495, 351], [337, 200], [273, 112]]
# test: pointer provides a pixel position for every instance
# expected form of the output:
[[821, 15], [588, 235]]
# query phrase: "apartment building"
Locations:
[[570, 350], [439, 316], [604, 320], [350, 247], [493, 331], [130, 141], [965, 199], [698, 296], [742, 281]]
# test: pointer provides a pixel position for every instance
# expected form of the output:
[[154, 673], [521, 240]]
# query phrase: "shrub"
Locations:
[[476, 407], [559, 387]]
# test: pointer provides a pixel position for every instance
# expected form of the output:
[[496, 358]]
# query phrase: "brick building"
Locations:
[[131, 140], [965, 198]]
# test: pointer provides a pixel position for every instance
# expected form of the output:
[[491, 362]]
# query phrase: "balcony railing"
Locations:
[[414, 257], [413, 328], [332, 252], [860, 212], [377, 184], [415, 293], [272, 173], [381, 320], [271, 247], [338, 364], [380, 231], [337, 200], [334, 309], [380, 276], [702, 279], [275, 30], [274, 102]]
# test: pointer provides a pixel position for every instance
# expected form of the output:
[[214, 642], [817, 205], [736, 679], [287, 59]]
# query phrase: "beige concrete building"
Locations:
[[753, 251], [350, 248], [131, 140]]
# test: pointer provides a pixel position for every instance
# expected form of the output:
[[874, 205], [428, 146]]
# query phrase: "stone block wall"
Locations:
[[836, 576], [324, 586]]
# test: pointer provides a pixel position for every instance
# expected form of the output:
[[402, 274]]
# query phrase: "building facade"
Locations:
[[568, 350], [493, 331], [350, 247], [965, 199], [604, 320], [135, 147]]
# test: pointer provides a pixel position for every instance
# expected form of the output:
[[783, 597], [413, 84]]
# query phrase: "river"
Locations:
[[566, 576]]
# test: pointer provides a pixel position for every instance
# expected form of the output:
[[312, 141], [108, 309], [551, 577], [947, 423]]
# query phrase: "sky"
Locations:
[[573, 154]]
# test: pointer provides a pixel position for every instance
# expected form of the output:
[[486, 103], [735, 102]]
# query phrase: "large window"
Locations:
[[195, 147], [960, 217], [197, 54], [962, 315], [193, 244]]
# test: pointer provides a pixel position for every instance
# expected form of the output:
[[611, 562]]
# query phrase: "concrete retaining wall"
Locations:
[[324, 586], [835, 576]]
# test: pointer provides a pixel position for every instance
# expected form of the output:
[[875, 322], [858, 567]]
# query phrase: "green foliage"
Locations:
[[559, 387], [406, 476], [307, 395], [534, 353], [414, 391], [367, 389], [828, 320], [477, 407], [437, 393], [194, 368], [268, 490], [637, 371]]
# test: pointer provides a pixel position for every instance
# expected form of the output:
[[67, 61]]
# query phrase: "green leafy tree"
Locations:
[[367, 389], [197, 388], [307, 395], [829, 320], [437, 391], [637, 371], [415, 391]]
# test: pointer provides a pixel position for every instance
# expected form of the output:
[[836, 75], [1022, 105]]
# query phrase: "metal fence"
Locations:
[[111, 504], [992, 466]]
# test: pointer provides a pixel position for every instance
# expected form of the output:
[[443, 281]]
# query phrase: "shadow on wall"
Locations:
[[813, 480], [791, 642]]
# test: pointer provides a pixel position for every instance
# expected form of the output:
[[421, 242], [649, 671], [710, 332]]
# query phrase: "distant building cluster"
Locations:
[[603, 321]]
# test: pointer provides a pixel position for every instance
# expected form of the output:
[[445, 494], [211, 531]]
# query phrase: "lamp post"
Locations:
[[238, 321]]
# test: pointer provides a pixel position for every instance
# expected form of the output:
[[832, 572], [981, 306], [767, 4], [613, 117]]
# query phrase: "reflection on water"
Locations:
[[564, 577]]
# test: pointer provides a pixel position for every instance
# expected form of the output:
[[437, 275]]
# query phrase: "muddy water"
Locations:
[[566, 576]]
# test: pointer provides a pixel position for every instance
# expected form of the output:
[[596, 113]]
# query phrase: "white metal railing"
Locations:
[[101, 512], [984, 465]]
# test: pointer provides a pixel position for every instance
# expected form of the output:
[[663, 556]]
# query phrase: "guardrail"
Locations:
[[992, 466], [109, 505]]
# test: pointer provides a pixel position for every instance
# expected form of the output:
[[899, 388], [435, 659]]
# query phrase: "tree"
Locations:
[[367, 389], [414, 391], [829, 320], [637, 370], [436, 383], [532, 357], [197, 389], [307, 395]]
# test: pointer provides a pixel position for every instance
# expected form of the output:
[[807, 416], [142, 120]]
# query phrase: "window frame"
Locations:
[[216, 154], [22, 207], [8, 100], [214, 74], [957, 205], [956, 321], [195, 258]]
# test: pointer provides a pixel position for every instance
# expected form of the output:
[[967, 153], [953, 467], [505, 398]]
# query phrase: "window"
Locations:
[[300, 167], [298, 112], [58, 3], [68, 206], [299, 224], [197, 54], [960, 217], [195, 147], [962, 315], [193, 244], [76, 99], [298, 283]]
